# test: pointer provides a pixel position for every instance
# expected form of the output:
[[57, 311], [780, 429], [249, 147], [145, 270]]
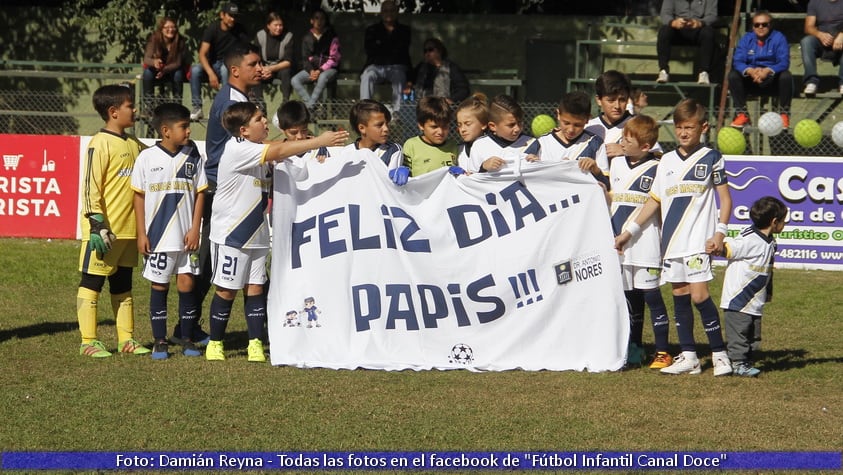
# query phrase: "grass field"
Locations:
[[54, 399]]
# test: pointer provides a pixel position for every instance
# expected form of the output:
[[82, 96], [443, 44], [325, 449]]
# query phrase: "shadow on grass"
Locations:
[[45, 328], [787, 359]]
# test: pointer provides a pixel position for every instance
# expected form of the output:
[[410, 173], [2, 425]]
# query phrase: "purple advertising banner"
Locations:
[[812, 189]]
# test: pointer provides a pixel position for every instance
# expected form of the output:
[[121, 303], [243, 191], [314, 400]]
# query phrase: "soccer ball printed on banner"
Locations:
[[770, 124], [808, 133], [730, 141], [542, 124], [837, 134], [461, 354]]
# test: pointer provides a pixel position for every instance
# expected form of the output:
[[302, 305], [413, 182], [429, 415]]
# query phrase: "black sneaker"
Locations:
[[160, 350], [199, 337], [188, 348]]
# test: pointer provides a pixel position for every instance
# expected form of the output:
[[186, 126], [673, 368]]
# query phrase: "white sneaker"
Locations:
[[722, 365], [197, 114], [663, 76], [703, 78], [686, 362], [840, 89], [810, 89]]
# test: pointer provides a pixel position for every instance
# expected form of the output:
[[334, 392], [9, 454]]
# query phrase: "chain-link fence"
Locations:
[[42, 112]]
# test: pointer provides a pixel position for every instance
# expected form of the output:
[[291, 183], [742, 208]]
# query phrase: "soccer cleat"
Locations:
[[742, 368], [663, 76], [682, 364], [214, 351], [703, 78], [160, 350], [188, 348], [635, 355], [810, 89], [197, 114], [199, 337], [132, 346], [661, 360], [722, 365], [740, 120], [94, 349], [785, 121], [256, 354]]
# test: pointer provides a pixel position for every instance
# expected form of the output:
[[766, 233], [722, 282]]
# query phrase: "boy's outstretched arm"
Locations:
[[279, 150]]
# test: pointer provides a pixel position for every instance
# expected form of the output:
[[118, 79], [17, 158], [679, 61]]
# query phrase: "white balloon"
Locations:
[[837, 134], [770, 124]]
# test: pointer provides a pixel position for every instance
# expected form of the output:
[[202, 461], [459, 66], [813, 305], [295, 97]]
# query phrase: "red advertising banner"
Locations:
[[39, 186]]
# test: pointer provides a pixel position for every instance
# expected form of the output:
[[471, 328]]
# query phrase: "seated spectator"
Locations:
[[276, 45], [320, 58], [387, 46], [217, 40], [824, 30], [164, 62], [685, 22], [760, 66], [438, 76]]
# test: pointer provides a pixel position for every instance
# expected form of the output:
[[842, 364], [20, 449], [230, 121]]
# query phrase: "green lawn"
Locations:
[[54, 399]]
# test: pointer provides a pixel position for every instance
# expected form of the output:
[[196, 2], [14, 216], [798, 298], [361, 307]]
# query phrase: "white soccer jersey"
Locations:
[[685, 188], [608, 132], [749, 276], [587, 145], [513, 153], [630, 190], [240, 202], [169, 183], [390, 153]]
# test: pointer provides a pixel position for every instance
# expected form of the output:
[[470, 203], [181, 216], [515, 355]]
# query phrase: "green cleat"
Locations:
[[131, 346], [256, 354], [214, 351], [94, 349]]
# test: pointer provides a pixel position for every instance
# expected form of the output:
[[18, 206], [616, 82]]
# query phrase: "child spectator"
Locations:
[[370, 119], [472, 122], [432, 149], [320, 57], [239, 232], [571, 140], [748, 283], [168, 180], [505, 145], [684, 190], [109, 233], [612, 90], [631, 176]]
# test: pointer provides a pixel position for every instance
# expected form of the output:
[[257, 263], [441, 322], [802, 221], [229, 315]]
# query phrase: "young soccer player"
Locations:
[[239, 234], [472, 121], [168, 180], [505, 145], [370, 119], [631, 176], [571, 141], [748, 283], [612, 90], [684, 190], [637, 101], [292, 119], [432, 149], [109, 237]]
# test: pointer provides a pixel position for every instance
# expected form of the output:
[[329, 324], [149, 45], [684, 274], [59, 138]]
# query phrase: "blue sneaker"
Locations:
[[743, 368], [199, 337], [160, 350], [188, 348]]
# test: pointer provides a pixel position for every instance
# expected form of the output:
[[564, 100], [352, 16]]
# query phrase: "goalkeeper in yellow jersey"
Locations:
[[109, 238]]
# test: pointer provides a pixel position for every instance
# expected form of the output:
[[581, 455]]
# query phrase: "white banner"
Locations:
[[476, 272]]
